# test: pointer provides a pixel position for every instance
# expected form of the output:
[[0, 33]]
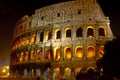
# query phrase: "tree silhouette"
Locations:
[[110, 62]]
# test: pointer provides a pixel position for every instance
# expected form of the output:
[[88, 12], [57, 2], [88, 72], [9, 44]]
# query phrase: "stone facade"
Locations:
[[59, 40]]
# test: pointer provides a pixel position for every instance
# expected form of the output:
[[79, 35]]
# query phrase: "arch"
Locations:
[[79, 32], [77, 71], [90, 52], [41, 36], [38, 72], [101, 31], [46, 74], [26, 56], [21, 56], [78, 52], [23, 41], [17, 57], [68, 32], [101, 51], [57, 34], [32, 54], [39, 54], [57, 53], [33, 40], [19, 44], [67, 53], [33, 72], [16, 44], [90, 31], [25, 72], [91, 70], [48, 54], [28, 40], [48, 35], [20, 41], [67, 73], [56, 74]]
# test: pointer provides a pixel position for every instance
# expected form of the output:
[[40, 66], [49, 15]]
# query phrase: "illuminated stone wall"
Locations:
[[59, 41]]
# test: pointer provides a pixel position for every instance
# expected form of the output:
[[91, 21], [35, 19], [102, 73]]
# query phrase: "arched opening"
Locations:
[[32, 54], [25, 73], [26, 56], [48, 54], [101, 51], [21, 56], [56, 74], [68, 32], [14, 58], [46, 74], [90, 52], [90, 31], [49, 35], [79, 52], [17, 57], [41, 36], [101, 31], [77, 71], [57, 33], [39, 54], [67, 74], [28, 40], [19, 44], [33, 40], [57, 53], [91, 70], [79, 32], [20, 41], [15, 44], [33, 73], [67, 53], [23, 41], [38, 72]]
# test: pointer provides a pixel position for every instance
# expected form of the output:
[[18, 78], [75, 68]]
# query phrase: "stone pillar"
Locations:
[[42, 73], [73, 52], [61, 73], [61, 52], [97, 50], [36, 53], [44, 32], [84, 51], [30, 38], [37, 37], [73, 77], [43, 52], [51, 73]]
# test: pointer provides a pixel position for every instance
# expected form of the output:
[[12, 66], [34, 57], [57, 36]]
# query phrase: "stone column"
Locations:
[[43, 52], [73, 52], [37, 37], [61, 53], [36, 53], [61, 73], [73, 77], [42, 73], [30, 38]]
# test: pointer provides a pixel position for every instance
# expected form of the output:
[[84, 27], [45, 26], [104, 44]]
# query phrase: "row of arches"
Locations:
[[32, 38], [57, 53], [56, 73]]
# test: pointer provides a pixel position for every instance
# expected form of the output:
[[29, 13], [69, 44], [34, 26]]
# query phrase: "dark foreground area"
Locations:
[[19, 78]]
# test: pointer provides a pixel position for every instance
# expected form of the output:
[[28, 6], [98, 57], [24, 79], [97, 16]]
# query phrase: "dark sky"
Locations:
[[12, 10]]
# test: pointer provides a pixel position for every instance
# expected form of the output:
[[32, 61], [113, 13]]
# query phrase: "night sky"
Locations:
[[13, 10]]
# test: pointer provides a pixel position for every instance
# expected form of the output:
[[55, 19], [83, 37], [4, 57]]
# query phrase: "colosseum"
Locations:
[[59, 40]]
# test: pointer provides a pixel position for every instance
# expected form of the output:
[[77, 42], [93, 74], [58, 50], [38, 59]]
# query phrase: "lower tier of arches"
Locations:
[[52, 70]]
